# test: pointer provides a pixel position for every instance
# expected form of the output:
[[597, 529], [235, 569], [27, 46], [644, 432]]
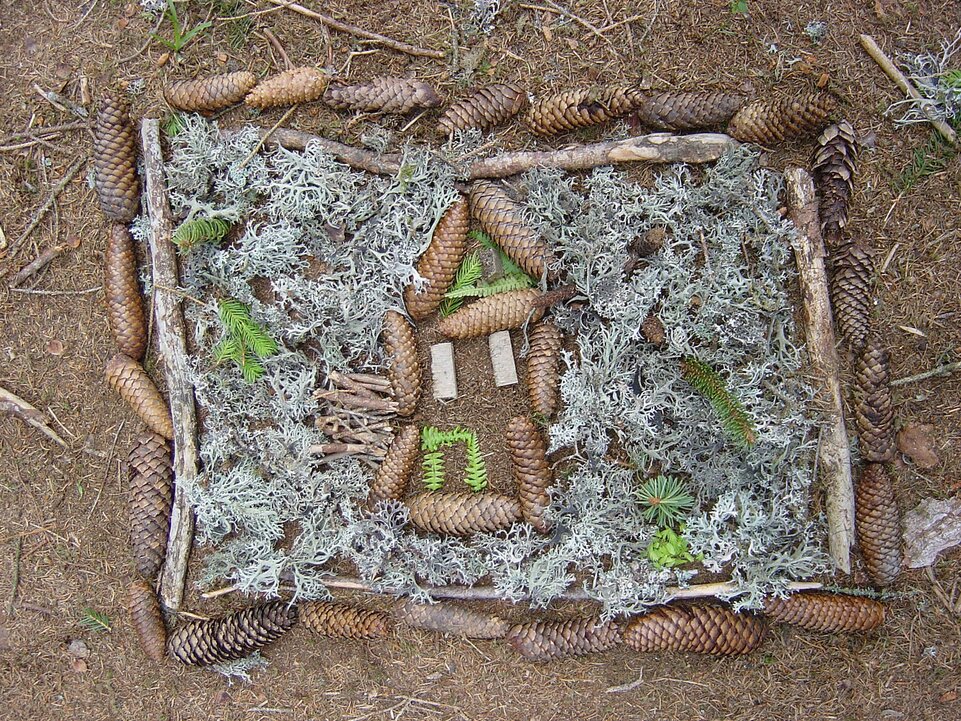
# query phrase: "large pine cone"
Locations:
[[391, 478], [878, 524], [503, 311], [130, 380], [874, 411], [548, 639], [461, 514], [686, 111], [485, 108], [452, 618], [203, 643], [438, 265], [835, 162], [503, 220], [115, 160], [298, 85], [543, 375], [147, 619], [699, 629], [150, 478], [341, 620], [770, 121], [578, 108], [124, 305], [404, 369], [388, 95], [826, 612], [530, 470], [852, 281], [213, 93]]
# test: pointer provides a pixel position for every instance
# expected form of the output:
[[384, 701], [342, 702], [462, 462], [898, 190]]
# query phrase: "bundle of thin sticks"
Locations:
[[358, 409]]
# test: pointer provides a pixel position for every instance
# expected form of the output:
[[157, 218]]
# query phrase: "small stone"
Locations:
[[78, 649], [916, 441], [162, 59], [55, 347]]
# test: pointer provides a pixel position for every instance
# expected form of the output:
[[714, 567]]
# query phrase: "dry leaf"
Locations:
[[78, 665], [948, 697], [916, 441], [55, 347]]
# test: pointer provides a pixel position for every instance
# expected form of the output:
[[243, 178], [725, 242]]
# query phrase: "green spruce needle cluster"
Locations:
[[433, 441], [468, 273], [665, 500], [734, 418], [246, 343], [192, 233], [95, 621], [179, 34]]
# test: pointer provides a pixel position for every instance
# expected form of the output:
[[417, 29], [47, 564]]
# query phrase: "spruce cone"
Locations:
[[770, 121], [461, 514], [851, 286], [483, 109], [213, 93], [578, 108], [130, 380], [391, 478], [388, 95], [878, 524], [298, 85], [438, 265], [150, 478], [530, 470], [341, 620], [543, 376], [548, 639], [124, 306], [115, 160], [147, 619], [699, 629], [503, 220], [452, 618], [874, 412], [826, 612], [835, 162], [686, 111], [653, 331], [204, 643], [503, 311], [404, 370]]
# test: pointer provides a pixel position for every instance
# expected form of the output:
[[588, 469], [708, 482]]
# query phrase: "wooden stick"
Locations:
[[388, 164], [37, 264], [326, 449], [61, 103], [48, 204], [173, 348], [834, 456], [13, 405], [907, 87], [944, 370], [370, 380]]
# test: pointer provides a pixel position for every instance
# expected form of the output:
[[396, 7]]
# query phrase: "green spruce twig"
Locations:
[[246, 343], [732, 415], [665, 500], [192, 233], [95, 621], [929, 159]]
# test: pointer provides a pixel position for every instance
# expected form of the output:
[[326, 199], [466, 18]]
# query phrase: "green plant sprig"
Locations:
[[179, 37], [668, 549], [246, 343], [665, 500], [433, 440], [468, 273], [732, 415], [929, 159], [95, 621], [192, 233]]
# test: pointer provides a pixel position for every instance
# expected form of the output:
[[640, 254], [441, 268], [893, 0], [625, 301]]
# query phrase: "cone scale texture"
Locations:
[[686, 111], [390, 481], [530, 469], [204, 643], [874, 411], [211, 93], [404, 368], [770, 121], [438, 265], [115, 160], [852, 281], [579, 108], [453, 618], [484, 109], [341, 620], [835, 163], [826, 612], [130, 380], [503, 311], [150, 479], [124, 305], [297, 85], [878, 524], [461, 514], [543, 375], [387, 95], [699, 629], [503, 220], [547, 639], [147, 619]]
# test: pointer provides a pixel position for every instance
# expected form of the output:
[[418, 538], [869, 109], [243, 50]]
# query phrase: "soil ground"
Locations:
[[62, 512]]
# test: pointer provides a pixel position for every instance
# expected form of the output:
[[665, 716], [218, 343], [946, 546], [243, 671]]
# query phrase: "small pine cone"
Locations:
[[391, 478], [826, 612], [835, 162], [851, 285], [578, 108], [503, 220], [404, 370], [297, 85], [461, 514], [388, 95], [150, 478], [147, 619], [530, 470], [204, 643], [770, 121], [874, 411], [543, 376], [130, 380], [485, 108], [452, 618], [878, 524], [687, 111], [213, 93], [547, 639], [699, 629], [124, 305], [438, 265], [341, 620], [653, 331], [503, 311], [115, 160]]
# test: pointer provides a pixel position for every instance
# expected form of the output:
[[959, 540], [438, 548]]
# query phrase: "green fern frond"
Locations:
[[514, 281], [192, 233], [732, 415], [664, 499], [468, 273], [173, 125], [95, 621], [431, 438], [509, 266], [433, 467], [475, 475]]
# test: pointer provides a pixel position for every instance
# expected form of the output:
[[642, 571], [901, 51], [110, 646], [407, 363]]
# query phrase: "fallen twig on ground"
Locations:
[[37, 264], [942, 370], [61, 103], [13, 405]]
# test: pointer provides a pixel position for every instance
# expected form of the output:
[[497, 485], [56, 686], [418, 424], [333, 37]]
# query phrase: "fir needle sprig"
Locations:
[[665, 500], [192, 233], [246, 343], [732, 415]]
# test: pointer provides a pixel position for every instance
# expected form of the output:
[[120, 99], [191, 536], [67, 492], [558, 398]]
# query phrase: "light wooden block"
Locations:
[[502, 359], [442, 371]]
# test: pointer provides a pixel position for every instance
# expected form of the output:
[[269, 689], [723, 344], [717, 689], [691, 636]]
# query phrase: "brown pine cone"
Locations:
[[503, 311], [438, 265], [852, 282], [147, 619], [115, 160], [826, 612], [130, 380], [204, 643], [124, 305], [543, 376], [212, 93], [484, 108], [530, 470], [653, 331], [699, 629], [150, 479], [452, 618], [686, 111], [874, 411], [878, 524], [578, 108], [835, 162], [548, 639], [341, 620], [388, 95], [297, 85], [503, 220], [391, 478], [773, 120], [404, 370], [461, 514]]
